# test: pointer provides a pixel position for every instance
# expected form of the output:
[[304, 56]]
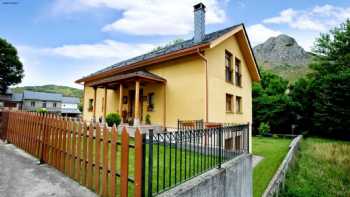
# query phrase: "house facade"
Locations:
[[52, 102], [206, 78]]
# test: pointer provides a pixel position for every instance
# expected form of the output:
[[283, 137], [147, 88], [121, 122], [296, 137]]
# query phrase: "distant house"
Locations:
[[69, 106], [31, 101], [53, 102]]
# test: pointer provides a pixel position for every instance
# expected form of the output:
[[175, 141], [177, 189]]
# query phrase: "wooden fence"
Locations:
[[96, 157]]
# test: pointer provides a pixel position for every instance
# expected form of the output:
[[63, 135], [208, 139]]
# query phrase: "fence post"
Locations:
[[143, 164], [150, 162], [42, 131], [248, 139], [220, 146]]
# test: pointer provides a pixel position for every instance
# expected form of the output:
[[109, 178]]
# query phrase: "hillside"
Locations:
[[283, 56], [65, 90]]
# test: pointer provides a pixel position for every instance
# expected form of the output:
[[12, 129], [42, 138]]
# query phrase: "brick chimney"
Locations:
[[199, 22]]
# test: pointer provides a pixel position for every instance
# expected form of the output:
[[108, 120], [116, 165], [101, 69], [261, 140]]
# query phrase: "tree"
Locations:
[[321, 99], [271, 103], [11, 69]]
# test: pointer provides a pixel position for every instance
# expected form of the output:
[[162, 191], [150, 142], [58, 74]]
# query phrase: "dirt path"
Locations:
[[21, 176]]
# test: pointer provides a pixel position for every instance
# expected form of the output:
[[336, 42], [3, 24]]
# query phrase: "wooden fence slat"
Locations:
[[74, 127], [80, 131], [124, 163], [84, 153], [138, 163], [105, 162], [97, 159], [112, 177], [90, 157], [69, 148], [65, 153]]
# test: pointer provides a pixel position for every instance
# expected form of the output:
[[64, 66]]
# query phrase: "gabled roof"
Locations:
[[178, 50], [70, 100], [43, 96], [166, 50]]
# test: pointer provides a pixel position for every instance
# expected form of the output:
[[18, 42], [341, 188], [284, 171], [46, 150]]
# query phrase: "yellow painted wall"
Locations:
[[184, 90], [184, 93], [218, 87]]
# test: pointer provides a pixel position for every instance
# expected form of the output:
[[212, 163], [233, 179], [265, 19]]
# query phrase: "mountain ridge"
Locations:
[[282, 55]]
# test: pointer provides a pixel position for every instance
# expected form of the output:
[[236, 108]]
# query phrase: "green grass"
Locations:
[[273, 150], [322, 169]]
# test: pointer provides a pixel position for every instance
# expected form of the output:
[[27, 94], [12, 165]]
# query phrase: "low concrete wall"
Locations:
[[278, 179], [234, 178]]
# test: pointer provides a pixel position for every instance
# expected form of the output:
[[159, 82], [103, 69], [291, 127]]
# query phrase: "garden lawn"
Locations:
[[273, 150], [322, 169]]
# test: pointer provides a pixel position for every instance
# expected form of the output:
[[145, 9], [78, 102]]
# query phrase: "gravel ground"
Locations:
[[21, 176]]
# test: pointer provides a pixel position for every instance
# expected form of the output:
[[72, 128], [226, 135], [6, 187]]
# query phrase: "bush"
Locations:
[[264, 128], [148, 119], [42, 111], [113, 118]]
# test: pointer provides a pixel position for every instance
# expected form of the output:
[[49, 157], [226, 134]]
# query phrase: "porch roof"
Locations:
[[143, 75]]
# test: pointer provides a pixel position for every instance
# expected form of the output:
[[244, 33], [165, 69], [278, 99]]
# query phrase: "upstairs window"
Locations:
[[229, 103], [32, 104], [228, 67], [238, 104], [54, 104], [91, 105], [238, 75]]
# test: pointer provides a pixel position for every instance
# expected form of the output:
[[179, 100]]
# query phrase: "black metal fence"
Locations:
[[174, 157]]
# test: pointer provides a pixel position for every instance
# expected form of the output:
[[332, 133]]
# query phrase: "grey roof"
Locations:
[[70, 111], [172, 48], [43, 96], [17, 97], [71, 100]]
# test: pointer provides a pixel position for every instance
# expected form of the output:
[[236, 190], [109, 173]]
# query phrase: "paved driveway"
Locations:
[[21, 176]]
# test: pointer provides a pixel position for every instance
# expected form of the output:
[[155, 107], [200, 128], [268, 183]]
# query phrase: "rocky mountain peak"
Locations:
[[281, 50]]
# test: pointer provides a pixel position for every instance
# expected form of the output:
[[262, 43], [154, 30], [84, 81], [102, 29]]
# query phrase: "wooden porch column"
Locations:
[[164, 105], [137, 100], [105, 104], [120, 101], [94, 110]]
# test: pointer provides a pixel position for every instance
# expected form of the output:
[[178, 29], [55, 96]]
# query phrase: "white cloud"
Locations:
[[259, 33], [104, 49], [150, 17], [320, 18], [63, 65]]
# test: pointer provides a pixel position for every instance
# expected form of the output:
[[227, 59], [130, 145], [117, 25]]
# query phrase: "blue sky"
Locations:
[[60, 41]]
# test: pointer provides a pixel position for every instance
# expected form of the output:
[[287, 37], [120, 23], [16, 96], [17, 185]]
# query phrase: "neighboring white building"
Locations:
[[69, 106]]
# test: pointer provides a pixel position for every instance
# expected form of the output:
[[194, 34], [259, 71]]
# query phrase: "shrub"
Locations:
[[264, 128], [42, 111], [113, 118], [148, 119]]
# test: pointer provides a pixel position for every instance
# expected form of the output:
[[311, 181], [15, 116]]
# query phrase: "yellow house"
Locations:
[[206, 78]]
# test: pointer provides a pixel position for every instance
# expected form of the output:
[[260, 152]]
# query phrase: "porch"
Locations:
[[138, 93]]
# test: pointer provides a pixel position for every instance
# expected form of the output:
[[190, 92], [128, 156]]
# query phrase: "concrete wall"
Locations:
[[235, 178], [278, 179]]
